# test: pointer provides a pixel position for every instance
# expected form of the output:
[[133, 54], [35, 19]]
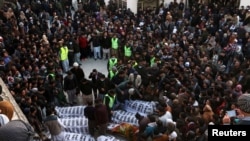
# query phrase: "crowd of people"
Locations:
[[192, 60]]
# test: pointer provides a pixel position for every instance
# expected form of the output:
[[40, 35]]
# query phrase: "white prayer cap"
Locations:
[[131, 91], [173, 135], [3, 119]]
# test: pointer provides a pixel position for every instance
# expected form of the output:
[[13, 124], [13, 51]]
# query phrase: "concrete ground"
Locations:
[[88, 65], [101, 66]]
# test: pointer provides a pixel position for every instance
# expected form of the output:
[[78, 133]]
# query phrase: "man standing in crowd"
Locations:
[[89, 113], [51, 92], [96, 46], [115, 45], [83, 44], [95, 76], [70, 86], [127, 52], [69, 43], [112, 73], [78, 72], [104, 84], [112, 62], [106, 45], [77, 51], [63, 54], [101, 116], [110, 102], [86, 88]]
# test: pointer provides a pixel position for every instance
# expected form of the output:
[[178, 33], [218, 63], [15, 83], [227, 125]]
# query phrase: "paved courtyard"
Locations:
[[89, 64]]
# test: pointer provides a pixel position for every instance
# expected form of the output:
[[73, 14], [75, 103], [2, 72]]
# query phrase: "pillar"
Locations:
[[106, 2], [244, 3], [132, 5]]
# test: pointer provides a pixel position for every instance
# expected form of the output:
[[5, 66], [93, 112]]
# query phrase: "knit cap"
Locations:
[[244, 103]]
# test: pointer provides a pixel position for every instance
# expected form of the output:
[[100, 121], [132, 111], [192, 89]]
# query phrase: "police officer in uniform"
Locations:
[[127, 52], [113, 72], [63, 54], [112, 62], [110, 102], [114, 45]]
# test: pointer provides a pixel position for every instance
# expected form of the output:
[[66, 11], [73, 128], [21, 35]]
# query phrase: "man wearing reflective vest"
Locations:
[[127, 52], [110, 102], [113, 72], [63, 55], [114, 45], [152, 61], [112, 62]]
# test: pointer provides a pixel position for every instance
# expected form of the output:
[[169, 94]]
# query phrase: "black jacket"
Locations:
[[86, 87], [94, 76], [70, 82], [89, 112], [79, 73], [96, 41], [104, 86], [106, 42]]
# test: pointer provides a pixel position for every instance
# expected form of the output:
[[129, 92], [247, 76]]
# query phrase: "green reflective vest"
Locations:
[[127, 51], [135, 64], [111, 100], [114, 43], [64, 53], [112, 74], [112, 62], [152, 61], [52, 76]]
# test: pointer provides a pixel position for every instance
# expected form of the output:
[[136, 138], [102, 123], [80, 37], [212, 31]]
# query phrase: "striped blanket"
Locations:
[[142, 107], [75, 124], [75, 111], [78, 137]]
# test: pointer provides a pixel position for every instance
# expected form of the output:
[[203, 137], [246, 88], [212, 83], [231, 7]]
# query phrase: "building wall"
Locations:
[[148, 3], [132, 4], [244, 3], [154, 3]]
